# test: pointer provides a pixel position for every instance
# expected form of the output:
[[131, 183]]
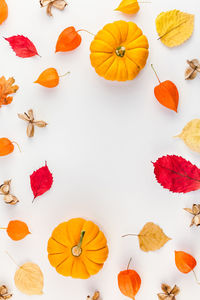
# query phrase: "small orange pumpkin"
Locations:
[[77, 248], [119, 51]]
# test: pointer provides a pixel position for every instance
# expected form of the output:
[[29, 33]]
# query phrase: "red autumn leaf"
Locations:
[[68, 40], [177, 174], [22, 46], [41, 181]]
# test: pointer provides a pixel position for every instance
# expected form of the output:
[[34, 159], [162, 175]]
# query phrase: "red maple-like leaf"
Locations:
[[41, 181], [177, 174], [22, 46]]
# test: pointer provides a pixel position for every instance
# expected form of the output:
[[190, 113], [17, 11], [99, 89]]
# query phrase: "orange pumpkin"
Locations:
[[77, 248], [119, 51]]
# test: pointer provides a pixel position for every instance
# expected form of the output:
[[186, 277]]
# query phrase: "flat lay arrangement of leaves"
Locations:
[[78, 248]]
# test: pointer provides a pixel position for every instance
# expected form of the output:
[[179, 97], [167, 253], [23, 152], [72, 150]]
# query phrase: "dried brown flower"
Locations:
[[168, 292], [5, 190], [59, 4], [4, 293], [29, 117], [192, 70], [195, 211], [96, 296]]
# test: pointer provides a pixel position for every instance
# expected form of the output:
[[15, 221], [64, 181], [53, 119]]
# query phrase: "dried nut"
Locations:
[[195, 211], [59, 4], [192, 70], [4, 293], [168, 292]]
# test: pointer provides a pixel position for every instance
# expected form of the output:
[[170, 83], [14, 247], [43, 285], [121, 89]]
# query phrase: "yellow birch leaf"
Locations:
[[174, 27], [128, 7], [29, 279], [152, 237], [191, 135]]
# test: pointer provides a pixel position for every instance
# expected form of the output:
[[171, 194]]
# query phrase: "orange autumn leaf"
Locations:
[[6, 146], [3, 11], [49, 78], [17, 230], [129, 282], [7, 88], [184, 262], [167, 93], [68, 40]]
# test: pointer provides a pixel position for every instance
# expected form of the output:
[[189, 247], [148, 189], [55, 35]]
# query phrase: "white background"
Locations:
[[99, 144]]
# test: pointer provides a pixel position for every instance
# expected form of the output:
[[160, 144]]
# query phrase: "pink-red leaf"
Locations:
[[41, 181], [177, 174], [22, 46]]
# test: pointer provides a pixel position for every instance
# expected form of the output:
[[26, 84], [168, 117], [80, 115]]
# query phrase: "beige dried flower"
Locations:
[[192, 70], [4, 293], [59, 4], [29, 117], [168, 292], [5, 190], [96, 296], [195, 211]]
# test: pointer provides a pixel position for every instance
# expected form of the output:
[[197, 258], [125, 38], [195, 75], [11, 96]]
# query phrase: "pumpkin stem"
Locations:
[[86, 31], [195, 276], [155, 72], [17, 146], [129, 263], [120, 51], [77, 250]]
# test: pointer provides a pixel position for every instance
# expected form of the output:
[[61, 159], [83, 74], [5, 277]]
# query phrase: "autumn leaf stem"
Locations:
[[155, 72], [132, 234], [12, 258], [86, 31], [65, 74], [17, 146], [195, 276]]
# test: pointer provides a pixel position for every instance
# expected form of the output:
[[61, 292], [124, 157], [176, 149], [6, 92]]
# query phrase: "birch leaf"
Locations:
[[174, 27], [152, 237], [191, 135], [29, 279]]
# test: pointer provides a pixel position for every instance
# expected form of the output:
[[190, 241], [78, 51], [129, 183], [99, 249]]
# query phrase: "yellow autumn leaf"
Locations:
[[191, 135], [128, 6], [174, 27], [29, 279], [152, 237]]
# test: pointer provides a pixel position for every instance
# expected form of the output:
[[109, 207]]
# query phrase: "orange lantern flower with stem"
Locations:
[[185, 263]]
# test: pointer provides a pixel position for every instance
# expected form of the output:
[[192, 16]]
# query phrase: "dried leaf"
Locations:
[[22, 46], [7, 88], [152, 237], [29, 117], [177, 174], [29, 279], [191, 135], [128, 6], [17, 230], [174, 27], [41, 181], [169, 293], [59, 4], [192, 70], [4, 293]]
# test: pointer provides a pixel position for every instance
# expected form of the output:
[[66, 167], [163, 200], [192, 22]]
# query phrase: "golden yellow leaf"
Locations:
[[29, 279], [152, 237], [128, 7], [191, 135], [174, 27]]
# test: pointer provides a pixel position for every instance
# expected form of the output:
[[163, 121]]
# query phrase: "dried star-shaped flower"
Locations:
[[195, 211], [5, 190], [59, 4], [4, 293], [168, 292], [96, 296], [192, 70], [29, 117]]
